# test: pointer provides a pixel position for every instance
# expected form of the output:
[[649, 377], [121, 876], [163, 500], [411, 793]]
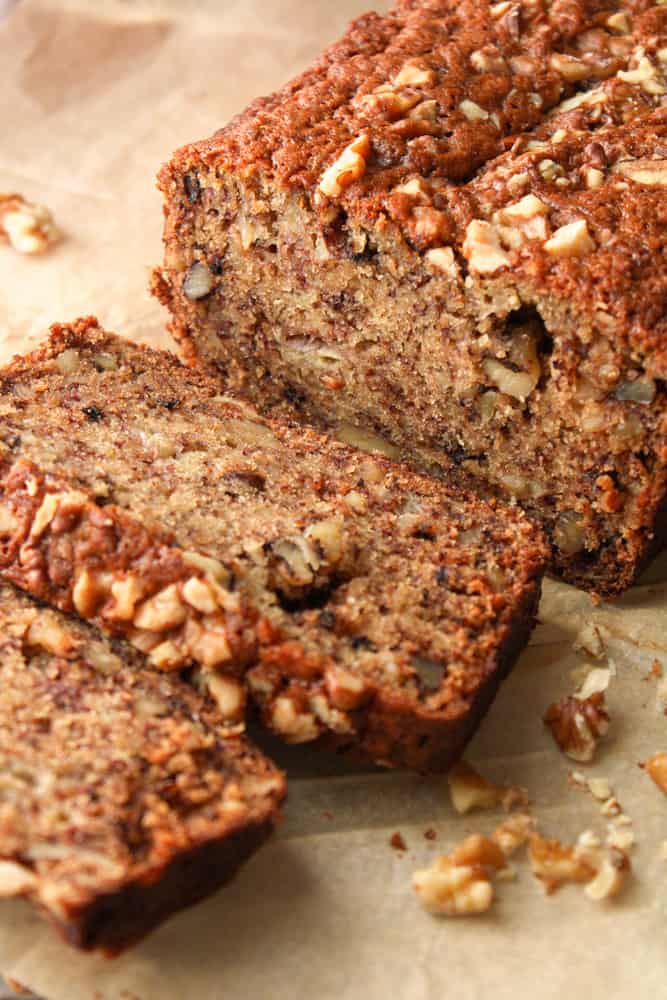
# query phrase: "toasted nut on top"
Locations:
[[469, 790], [482, 248], [572, 240], [576, 724], [349, 166], [29, 228]]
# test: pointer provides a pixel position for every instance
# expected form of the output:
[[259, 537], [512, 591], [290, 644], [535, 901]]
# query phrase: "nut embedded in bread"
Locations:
[[449, 232], [124, 795], [348, 596]]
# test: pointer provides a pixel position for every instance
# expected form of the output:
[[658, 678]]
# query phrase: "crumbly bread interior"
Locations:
[[355, 566], [497, 317], [110, 772]]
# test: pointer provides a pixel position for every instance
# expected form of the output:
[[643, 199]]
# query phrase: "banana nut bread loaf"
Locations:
[[348, 595], [450, 232], [124, 795]]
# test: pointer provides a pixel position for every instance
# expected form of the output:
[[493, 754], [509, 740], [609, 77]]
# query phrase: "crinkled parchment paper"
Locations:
[[94, 97]]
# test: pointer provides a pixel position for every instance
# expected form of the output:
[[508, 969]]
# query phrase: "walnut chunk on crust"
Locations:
[[577, 724], [29, 228]]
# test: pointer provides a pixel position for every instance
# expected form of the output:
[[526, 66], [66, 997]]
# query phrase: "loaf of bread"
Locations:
[[449, 232], [349, 596], [124, 795]]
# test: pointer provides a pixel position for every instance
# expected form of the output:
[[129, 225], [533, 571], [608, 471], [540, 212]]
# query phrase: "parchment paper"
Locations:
[[94, 97]]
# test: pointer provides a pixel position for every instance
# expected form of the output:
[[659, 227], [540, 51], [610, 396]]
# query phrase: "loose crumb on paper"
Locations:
[[29, 228]]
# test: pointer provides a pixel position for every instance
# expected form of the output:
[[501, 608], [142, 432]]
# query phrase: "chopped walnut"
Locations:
[[413, 75], [482, 248], [198, 281], [349, 167], [646, 75], [513, 832], [595, 682], [294, 726], [453, 890], [571, 240], [613, 866], [472, 111], [651, 172], [569, 67], [29, 228], [554, 863], [656, 768], [443, 259], [577, 724], [470, 790]]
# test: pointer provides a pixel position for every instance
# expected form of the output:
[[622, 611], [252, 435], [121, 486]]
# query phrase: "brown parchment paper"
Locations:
[[93, 97]]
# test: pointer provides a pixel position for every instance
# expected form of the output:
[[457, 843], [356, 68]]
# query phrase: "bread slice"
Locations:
[[349, 596], [448, 232], [124, 796]]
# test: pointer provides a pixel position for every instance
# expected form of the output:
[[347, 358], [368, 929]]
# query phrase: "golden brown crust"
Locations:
[[438, 176], [123, 797], [351, 592]]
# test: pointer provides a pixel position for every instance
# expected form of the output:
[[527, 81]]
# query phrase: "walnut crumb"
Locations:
[[577, 724], [470, 790], [29, 228]]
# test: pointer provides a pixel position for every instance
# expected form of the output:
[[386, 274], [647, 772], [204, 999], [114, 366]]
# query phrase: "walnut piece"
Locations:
[[554, 863], [482, 248], [413, 75], [656, 768], [643, 171], [577, 724], [470, 790], [453, 890], [571, 240], [349, 167], [29, 228]]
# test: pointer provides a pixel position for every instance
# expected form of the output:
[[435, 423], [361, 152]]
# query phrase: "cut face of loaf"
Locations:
[[367, 249], [124, 796], [347, 595]]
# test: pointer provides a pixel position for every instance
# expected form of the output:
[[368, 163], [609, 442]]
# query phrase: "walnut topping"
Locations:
[[164, 611], [89, 589], [349, 167], [413, 75], [415, 187], [651, 172], [472, 111], [453, 890], [198, 281], [227, 693], [656, 768], [569, 67], [443, 259], [345, 690], [519, 211], [593, 177], [29, 228], [126, 592], [293, 725], [571, 240], [646, 75], [430, 224], [488, 60], [482, 248], [197, 593], [619, 22], [577, 724], [470, 790]]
